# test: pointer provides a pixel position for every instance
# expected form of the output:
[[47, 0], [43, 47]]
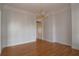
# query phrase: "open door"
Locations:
[[39, 30]]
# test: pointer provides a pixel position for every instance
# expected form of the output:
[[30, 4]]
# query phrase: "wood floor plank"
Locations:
[[40, 48]]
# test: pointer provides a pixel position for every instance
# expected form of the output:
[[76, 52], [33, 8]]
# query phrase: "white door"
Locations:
[[39, 30]]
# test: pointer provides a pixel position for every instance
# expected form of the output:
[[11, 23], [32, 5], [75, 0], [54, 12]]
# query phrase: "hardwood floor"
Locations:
[[40, 48]]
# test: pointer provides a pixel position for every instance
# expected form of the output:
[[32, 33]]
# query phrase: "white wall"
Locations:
[[0, 29], [75, 26], [19, 27], [63, 26], [3, 29], [48, 28], [58, 26]]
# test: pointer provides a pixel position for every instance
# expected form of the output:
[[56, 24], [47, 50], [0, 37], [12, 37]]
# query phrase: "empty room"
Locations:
[[39, 29]]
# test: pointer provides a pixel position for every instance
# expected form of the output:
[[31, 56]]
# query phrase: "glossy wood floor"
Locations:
[[40, 48]]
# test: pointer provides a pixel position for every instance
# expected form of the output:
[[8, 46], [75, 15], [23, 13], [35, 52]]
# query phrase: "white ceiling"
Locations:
[[35, 7]]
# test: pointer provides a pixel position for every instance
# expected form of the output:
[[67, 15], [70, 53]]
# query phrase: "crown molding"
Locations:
[[6, 7]]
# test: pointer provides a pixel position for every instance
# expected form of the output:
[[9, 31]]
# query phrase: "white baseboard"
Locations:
[[64, 43], [75, 48], [58, 42], [9, 45]]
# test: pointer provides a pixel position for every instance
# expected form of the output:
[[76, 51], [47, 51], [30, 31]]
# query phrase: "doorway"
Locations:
[[39, 29]]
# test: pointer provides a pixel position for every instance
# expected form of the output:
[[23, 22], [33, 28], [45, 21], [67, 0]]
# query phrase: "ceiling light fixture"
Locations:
[[41, 16]]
